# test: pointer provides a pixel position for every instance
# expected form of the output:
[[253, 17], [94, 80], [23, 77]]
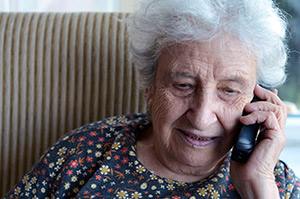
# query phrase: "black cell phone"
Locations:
[[247, 139]]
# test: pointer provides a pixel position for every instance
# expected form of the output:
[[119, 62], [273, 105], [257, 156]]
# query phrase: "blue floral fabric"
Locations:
[[99, 160]]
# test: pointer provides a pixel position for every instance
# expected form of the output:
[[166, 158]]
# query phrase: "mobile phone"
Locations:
[[246, 140]]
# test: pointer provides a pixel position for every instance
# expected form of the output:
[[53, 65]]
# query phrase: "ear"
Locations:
[[149, 96]]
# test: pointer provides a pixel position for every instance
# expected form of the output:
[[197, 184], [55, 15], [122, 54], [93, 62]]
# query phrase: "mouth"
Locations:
[[196, 140]]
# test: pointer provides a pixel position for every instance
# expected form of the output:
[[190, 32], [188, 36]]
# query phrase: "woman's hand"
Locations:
[[255, 178]]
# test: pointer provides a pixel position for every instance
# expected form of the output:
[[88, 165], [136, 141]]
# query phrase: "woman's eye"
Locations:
[[183, 89], [228, 94], [230, 91], [183, 86]]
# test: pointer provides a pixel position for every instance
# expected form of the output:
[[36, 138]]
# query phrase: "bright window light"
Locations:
[[68, 5]]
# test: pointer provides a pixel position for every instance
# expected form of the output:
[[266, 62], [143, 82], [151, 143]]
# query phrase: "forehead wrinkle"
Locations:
[[199, 63], [195, 61], [182, 67]]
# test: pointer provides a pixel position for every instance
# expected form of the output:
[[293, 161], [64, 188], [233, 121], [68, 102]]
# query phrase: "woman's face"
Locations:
[[199, 94]]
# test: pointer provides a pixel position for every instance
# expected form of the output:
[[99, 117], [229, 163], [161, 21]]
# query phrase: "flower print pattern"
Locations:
[[104, 169], [99, 160]]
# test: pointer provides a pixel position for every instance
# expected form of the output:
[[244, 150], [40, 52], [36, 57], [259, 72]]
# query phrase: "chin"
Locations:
[[202, 159]]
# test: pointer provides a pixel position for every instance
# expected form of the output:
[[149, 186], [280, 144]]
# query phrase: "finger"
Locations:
[[279, 111], [267, 95], [275, 138], [271, 143], [275, 91], [267, 118], [270, 129], [272, 103], [273, 135], [263, 106]]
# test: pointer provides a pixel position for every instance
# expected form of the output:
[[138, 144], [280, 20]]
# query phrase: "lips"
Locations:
[[197, 140]]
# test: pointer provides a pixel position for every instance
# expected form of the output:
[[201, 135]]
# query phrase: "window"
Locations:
[[68, 5], [290, 91]]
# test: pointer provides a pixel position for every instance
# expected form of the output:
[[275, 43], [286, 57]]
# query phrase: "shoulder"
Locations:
[[77, 146], [76, 156], [286, 180], [111, 124], [101, 132]]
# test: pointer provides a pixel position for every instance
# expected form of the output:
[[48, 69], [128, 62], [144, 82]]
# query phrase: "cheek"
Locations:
[[231, 114], [166, 107]]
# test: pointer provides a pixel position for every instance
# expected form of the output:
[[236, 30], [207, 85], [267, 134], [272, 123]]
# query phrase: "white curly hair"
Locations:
[[258, 24]]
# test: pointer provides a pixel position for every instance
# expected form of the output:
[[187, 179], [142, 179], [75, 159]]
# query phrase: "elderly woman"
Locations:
[[200, 63]]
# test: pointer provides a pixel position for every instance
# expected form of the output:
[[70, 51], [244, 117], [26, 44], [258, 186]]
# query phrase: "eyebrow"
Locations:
[[234, 78], [239, 80], [181, 74]]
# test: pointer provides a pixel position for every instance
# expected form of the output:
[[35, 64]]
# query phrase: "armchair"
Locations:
[[59, 71]]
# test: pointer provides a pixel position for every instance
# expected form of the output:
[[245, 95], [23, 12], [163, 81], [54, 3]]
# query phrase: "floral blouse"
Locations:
[[99, 160]]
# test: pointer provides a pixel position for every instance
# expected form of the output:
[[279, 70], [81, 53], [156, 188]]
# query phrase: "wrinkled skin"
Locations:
[[196, 101]]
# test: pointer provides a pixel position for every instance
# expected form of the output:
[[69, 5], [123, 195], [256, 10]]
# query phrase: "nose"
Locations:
[[202, 112]]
